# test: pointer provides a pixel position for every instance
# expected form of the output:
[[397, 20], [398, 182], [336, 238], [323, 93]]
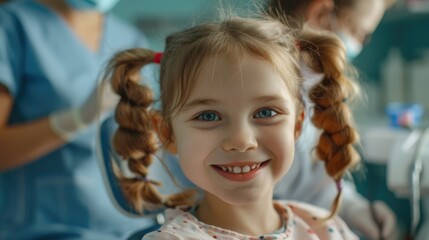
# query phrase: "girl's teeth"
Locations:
[[238, 169], [245, 169]]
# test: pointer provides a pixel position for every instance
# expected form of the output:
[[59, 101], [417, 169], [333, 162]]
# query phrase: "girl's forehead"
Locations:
[[223, 68], [218, 75]]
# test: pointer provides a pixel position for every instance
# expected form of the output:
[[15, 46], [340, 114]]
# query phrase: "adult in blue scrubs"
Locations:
[[51, 55]]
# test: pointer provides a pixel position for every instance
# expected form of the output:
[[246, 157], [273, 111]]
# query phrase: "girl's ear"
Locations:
[[298, 125], [163, 132]]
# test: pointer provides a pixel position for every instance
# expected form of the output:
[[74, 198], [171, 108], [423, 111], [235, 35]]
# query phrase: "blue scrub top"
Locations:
[[46, 68]]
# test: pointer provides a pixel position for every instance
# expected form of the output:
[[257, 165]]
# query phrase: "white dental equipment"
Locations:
[[407, 174]]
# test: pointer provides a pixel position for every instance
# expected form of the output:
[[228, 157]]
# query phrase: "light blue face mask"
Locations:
[[94, 5], [353, 46]]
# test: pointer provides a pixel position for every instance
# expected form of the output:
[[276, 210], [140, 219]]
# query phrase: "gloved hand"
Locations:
[[67, 123], [357, 213]]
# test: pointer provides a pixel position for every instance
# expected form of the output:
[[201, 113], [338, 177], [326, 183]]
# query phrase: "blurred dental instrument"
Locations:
[[416, 174]]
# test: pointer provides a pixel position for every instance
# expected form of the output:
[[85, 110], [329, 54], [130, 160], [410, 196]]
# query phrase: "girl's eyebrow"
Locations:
[[199, 102], [270, 98], [211, 102]]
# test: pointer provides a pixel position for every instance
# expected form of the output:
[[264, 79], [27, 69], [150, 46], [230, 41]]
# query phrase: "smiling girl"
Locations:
[[232, 109]]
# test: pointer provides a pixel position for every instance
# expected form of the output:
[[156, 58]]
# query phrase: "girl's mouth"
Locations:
[[240, 172]]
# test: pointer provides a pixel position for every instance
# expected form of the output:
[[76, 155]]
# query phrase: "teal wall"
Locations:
[[159, 18], [409, 32], [131, 10]]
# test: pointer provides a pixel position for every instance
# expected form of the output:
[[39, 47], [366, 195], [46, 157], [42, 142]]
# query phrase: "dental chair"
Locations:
[[107, 157]]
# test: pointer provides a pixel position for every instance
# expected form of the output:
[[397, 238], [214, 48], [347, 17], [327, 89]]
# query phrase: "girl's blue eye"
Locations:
[[265, 113], [208, 116]]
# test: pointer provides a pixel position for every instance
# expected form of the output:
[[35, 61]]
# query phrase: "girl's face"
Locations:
[[235, 134]]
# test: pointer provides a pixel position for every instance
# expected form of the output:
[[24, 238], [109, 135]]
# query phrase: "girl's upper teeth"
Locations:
[[240, 169]]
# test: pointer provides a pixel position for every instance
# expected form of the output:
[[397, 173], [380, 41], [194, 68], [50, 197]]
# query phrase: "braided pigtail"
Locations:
[[136, 140], [324, 53]]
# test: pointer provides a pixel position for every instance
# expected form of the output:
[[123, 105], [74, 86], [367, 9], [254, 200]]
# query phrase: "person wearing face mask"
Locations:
[[353, 21], [51, 53]]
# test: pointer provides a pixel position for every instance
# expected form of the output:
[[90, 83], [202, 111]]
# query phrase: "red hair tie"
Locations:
[[157, 58]]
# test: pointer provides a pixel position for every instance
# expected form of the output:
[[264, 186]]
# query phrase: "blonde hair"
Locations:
[[185, 54]]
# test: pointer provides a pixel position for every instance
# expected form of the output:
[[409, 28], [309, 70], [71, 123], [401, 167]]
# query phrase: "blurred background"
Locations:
[[157, 19]]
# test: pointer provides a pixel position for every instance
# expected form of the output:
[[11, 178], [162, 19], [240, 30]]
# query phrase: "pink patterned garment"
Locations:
[[302, 221]]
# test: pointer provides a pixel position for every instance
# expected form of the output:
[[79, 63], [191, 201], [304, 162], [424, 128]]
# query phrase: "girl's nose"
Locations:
[[239, 138]]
